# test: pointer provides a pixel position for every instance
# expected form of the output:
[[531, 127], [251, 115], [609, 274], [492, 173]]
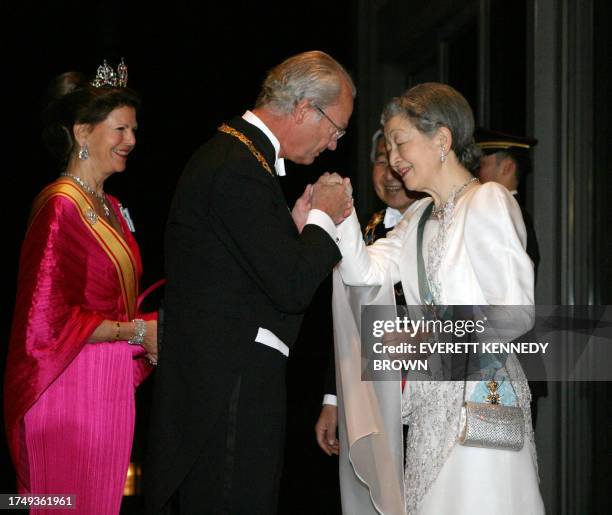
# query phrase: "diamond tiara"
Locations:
[[106, 77]]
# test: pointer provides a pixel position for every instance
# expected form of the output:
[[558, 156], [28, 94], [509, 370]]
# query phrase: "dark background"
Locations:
[[520, 64]]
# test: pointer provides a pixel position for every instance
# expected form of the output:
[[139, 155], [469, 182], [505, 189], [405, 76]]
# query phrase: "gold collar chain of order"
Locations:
[[368, 233], [258, 155]]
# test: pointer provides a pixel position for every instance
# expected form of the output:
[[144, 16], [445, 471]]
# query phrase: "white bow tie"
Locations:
[[392, 217]]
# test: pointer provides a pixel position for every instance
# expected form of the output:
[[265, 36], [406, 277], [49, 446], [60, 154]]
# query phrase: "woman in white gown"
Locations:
[[473, 250]]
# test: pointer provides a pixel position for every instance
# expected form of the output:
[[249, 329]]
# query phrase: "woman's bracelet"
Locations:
[[118, 333], [140, 331]]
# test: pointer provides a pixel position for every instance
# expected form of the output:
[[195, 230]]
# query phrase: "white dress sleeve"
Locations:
[[363, 265], [495, 239]]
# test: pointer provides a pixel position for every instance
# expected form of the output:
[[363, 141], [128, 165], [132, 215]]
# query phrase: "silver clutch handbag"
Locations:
[[490, 424]]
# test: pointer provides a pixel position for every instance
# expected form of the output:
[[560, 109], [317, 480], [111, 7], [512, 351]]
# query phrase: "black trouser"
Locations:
[[239, 468]]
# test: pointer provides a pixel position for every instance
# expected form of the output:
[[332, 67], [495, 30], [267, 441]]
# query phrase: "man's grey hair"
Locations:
[[315, 76]]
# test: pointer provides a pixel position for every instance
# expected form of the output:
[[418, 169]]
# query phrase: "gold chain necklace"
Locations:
[[237, 134]]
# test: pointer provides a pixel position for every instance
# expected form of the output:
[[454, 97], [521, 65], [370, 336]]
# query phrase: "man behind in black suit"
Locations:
[[241, 269], [506, 159]]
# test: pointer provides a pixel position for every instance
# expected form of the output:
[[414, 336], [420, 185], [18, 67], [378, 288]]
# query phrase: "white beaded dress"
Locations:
[[474, 255]]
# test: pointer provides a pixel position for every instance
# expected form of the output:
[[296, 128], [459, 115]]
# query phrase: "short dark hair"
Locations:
[[432, 105], [521, 159], [71, 99]]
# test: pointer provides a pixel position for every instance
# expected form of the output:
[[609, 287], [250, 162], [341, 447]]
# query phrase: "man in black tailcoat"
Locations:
[[241, 269]]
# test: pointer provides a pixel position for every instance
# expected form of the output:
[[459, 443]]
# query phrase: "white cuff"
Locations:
[[349, 233], [330, 399], [323, 220]]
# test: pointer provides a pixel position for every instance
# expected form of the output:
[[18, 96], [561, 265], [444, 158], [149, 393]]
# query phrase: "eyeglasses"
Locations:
[[339, 132]]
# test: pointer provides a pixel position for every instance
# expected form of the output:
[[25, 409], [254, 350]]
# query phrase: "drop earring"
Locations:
[[83, 152], [442, 154]]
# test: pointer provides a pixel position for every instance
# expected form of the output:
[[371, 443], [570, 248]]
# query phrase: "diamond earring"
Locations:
[[442, 154], [83, 152]]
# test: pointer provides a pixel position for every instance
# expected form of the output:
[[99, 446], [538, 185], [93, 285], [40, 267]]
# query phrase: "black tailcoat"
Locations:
[[234, 263]]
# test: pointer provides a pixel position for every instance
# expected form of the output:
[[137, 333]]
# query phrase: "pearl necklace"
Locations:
[[91, 191]]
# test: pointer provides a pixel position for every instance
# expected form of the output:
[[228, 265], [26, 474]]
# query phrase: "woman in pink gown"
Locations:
[[78, 346]]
